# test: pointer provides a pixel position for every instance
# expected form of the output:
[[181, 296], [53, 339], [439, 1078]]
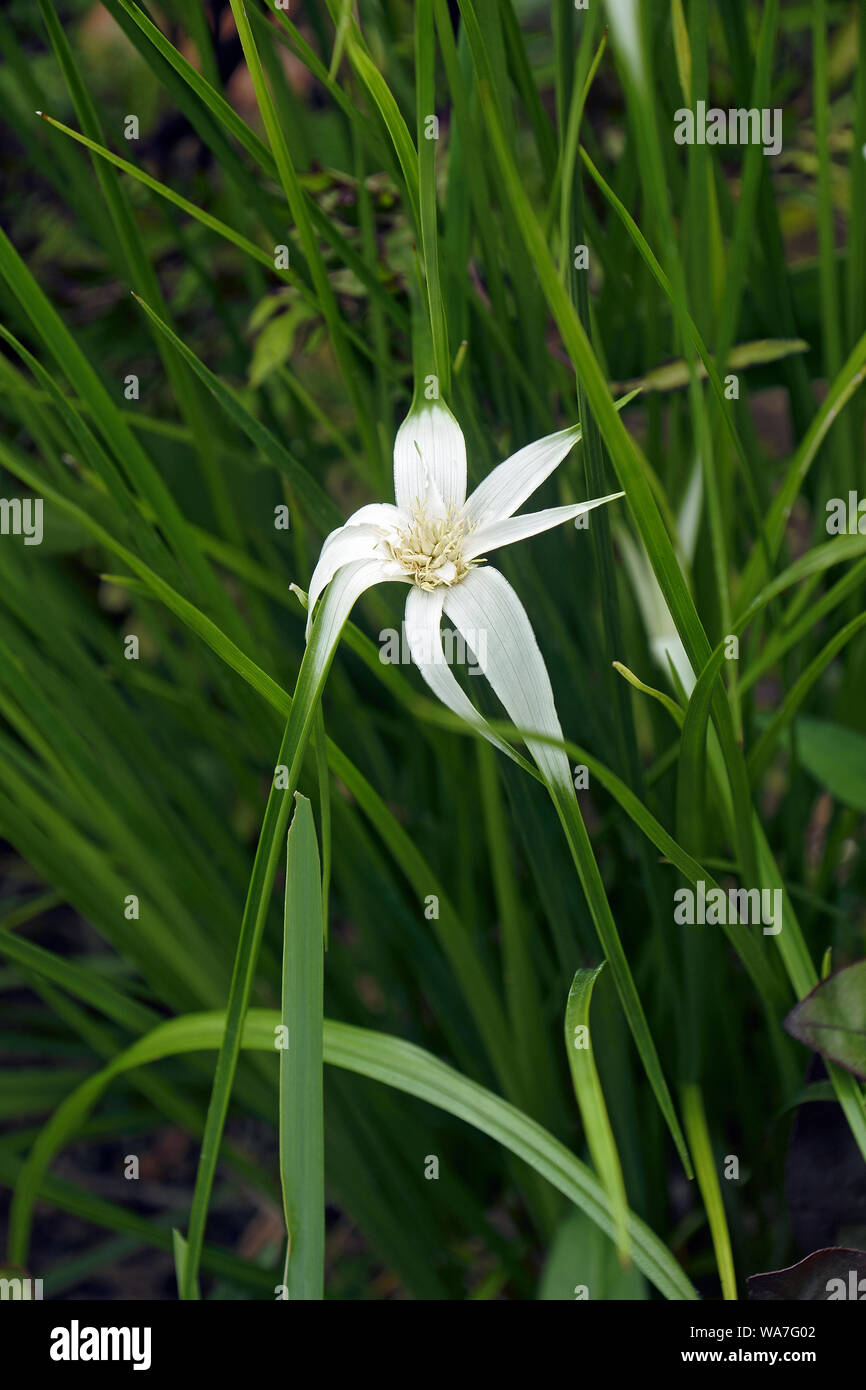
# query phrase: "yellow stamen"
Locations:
[[430, 548]]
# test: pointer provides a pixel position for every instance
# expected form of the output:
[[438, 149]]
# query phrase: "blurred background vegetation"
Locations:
[[148, 777]]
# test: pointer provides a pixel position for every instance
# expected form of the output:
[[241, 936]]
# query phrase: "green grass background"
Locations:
[[263, 388]]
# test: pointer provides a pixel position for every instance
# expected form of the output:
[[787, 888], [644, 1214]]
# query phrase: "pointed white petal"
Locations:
[[661, 630], [429, 445], [487, 612], [517, 528], [423, 614], [509, 485], [341, 547], [382, 514], [625, 23], [345, 588], [689, 514], [669, 651]]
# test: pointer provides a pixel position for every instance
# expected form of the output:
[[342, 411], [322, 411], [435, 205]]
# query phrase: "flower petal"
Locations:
[[382, 514], [429, 448], [517, 528], [341, 547], [424, 638], [488, 614], [509, 485], [661, 630], [345, 588]]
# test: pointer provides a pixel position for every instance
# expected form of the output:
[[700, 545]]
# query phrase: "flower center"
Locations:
[[430, 548]]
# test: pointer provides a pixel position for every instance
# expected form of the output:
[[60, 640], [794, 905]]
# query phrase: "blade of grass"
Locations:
[[297, 205], [322, 509], [395, 1063], [831, 326], [851, 376], [125, 447], [708, 1182], [591, 881], [525, 1013], [590, 1099], [302, 1145], [186, 391], [425, 57]]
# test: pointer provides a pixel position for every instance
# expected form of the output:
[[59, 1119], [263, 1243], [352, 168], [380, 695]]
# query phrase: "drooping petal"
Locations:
[[429, 446], [493, 622], [347, 585], [341, 547], [422, 618], [509, 485], [517, 528]]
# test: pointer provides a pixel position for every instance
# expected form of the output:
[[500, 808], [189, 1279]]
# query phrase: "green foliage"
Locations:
[[260, 259]]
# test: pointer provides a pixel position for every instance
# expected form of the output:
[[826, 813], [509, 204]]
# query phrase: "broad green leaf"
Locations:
[[274, 344], [582, 1265], [832, 1019], [835, 756]]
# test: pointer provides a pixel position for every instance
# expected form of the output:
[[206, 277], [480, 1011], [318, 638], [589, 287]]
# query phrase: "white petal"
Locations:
[[429, 448], [689, 514], [341, 547], [625, 23], [423, 614], [382, 514], [487, 612], [509, 485], [346, 586], [661, 630], [669, 651], [517, 528]]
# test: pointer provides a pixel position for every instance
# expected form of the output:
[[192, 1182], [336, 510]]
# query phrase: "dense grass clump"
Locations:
[[554, 1008]]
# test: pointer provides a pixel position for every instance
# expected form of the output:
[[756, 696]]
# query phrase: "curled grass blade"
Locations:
[[590, 1099], [395, 1063]]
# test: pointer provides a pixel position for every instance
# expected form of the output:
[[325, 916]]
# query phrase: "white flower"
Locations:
[[436, 540], [665, 643]]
